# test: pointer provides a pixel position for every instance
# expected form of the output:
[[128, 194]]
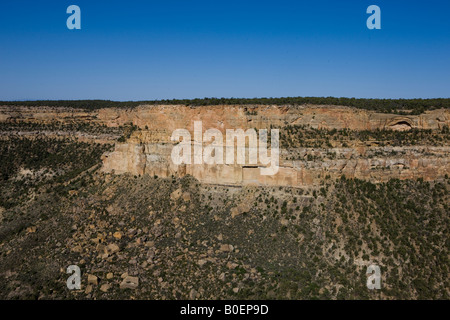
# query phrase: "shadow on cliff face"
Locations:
[[400, 125]]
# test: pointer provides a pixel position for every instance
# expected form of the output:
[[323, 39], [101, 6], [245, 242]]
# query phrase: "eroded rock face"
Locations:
[[171, 117], [375, 164], [225, 117], [149, 151]]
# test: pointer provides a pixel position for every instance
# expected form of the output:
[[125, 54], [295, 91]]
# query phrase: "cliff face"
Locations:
[[172, 117], [148, 151], [224, 117], [376, 164]]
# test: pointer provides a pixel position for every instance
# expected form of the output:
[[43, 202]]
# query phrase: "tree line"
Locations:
[[410, 106]]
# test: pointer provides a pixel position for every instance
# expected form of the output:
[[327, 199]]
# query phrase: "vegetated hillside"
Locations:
[[13, 127], [183, 239], [28, 164], [306, 137], [71, 130], [408, 106], [187, 240]]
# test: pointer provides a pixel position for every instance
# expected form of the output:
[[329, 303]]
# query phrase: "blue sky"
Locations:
[[143, 50]]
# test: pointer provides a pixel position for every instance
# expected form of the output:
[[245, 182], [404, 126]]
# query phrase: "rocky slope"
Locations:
[[349, 194], [178, 239]]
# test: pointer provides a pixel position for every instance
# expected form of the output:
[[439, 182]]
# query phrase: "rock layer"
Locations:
[[149, 151], [171, 117]]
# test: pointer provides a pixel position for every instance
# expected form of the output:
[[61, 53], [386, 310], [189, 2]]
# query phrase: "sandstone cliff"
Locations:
[[148, 151], [171, 117]]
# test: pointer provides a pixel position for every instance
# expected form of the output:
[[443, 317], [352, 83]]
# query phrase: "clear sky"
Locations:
[[144, 50]]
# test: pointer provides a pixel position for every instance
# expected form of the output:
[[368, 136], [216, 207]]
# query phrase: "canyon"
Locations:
[[97, 188]]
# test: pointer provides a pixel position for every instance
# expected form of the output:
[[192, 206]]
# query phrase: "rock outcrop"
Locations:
[[138, 156], [171, 117], [223, 117], [148, 151]]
